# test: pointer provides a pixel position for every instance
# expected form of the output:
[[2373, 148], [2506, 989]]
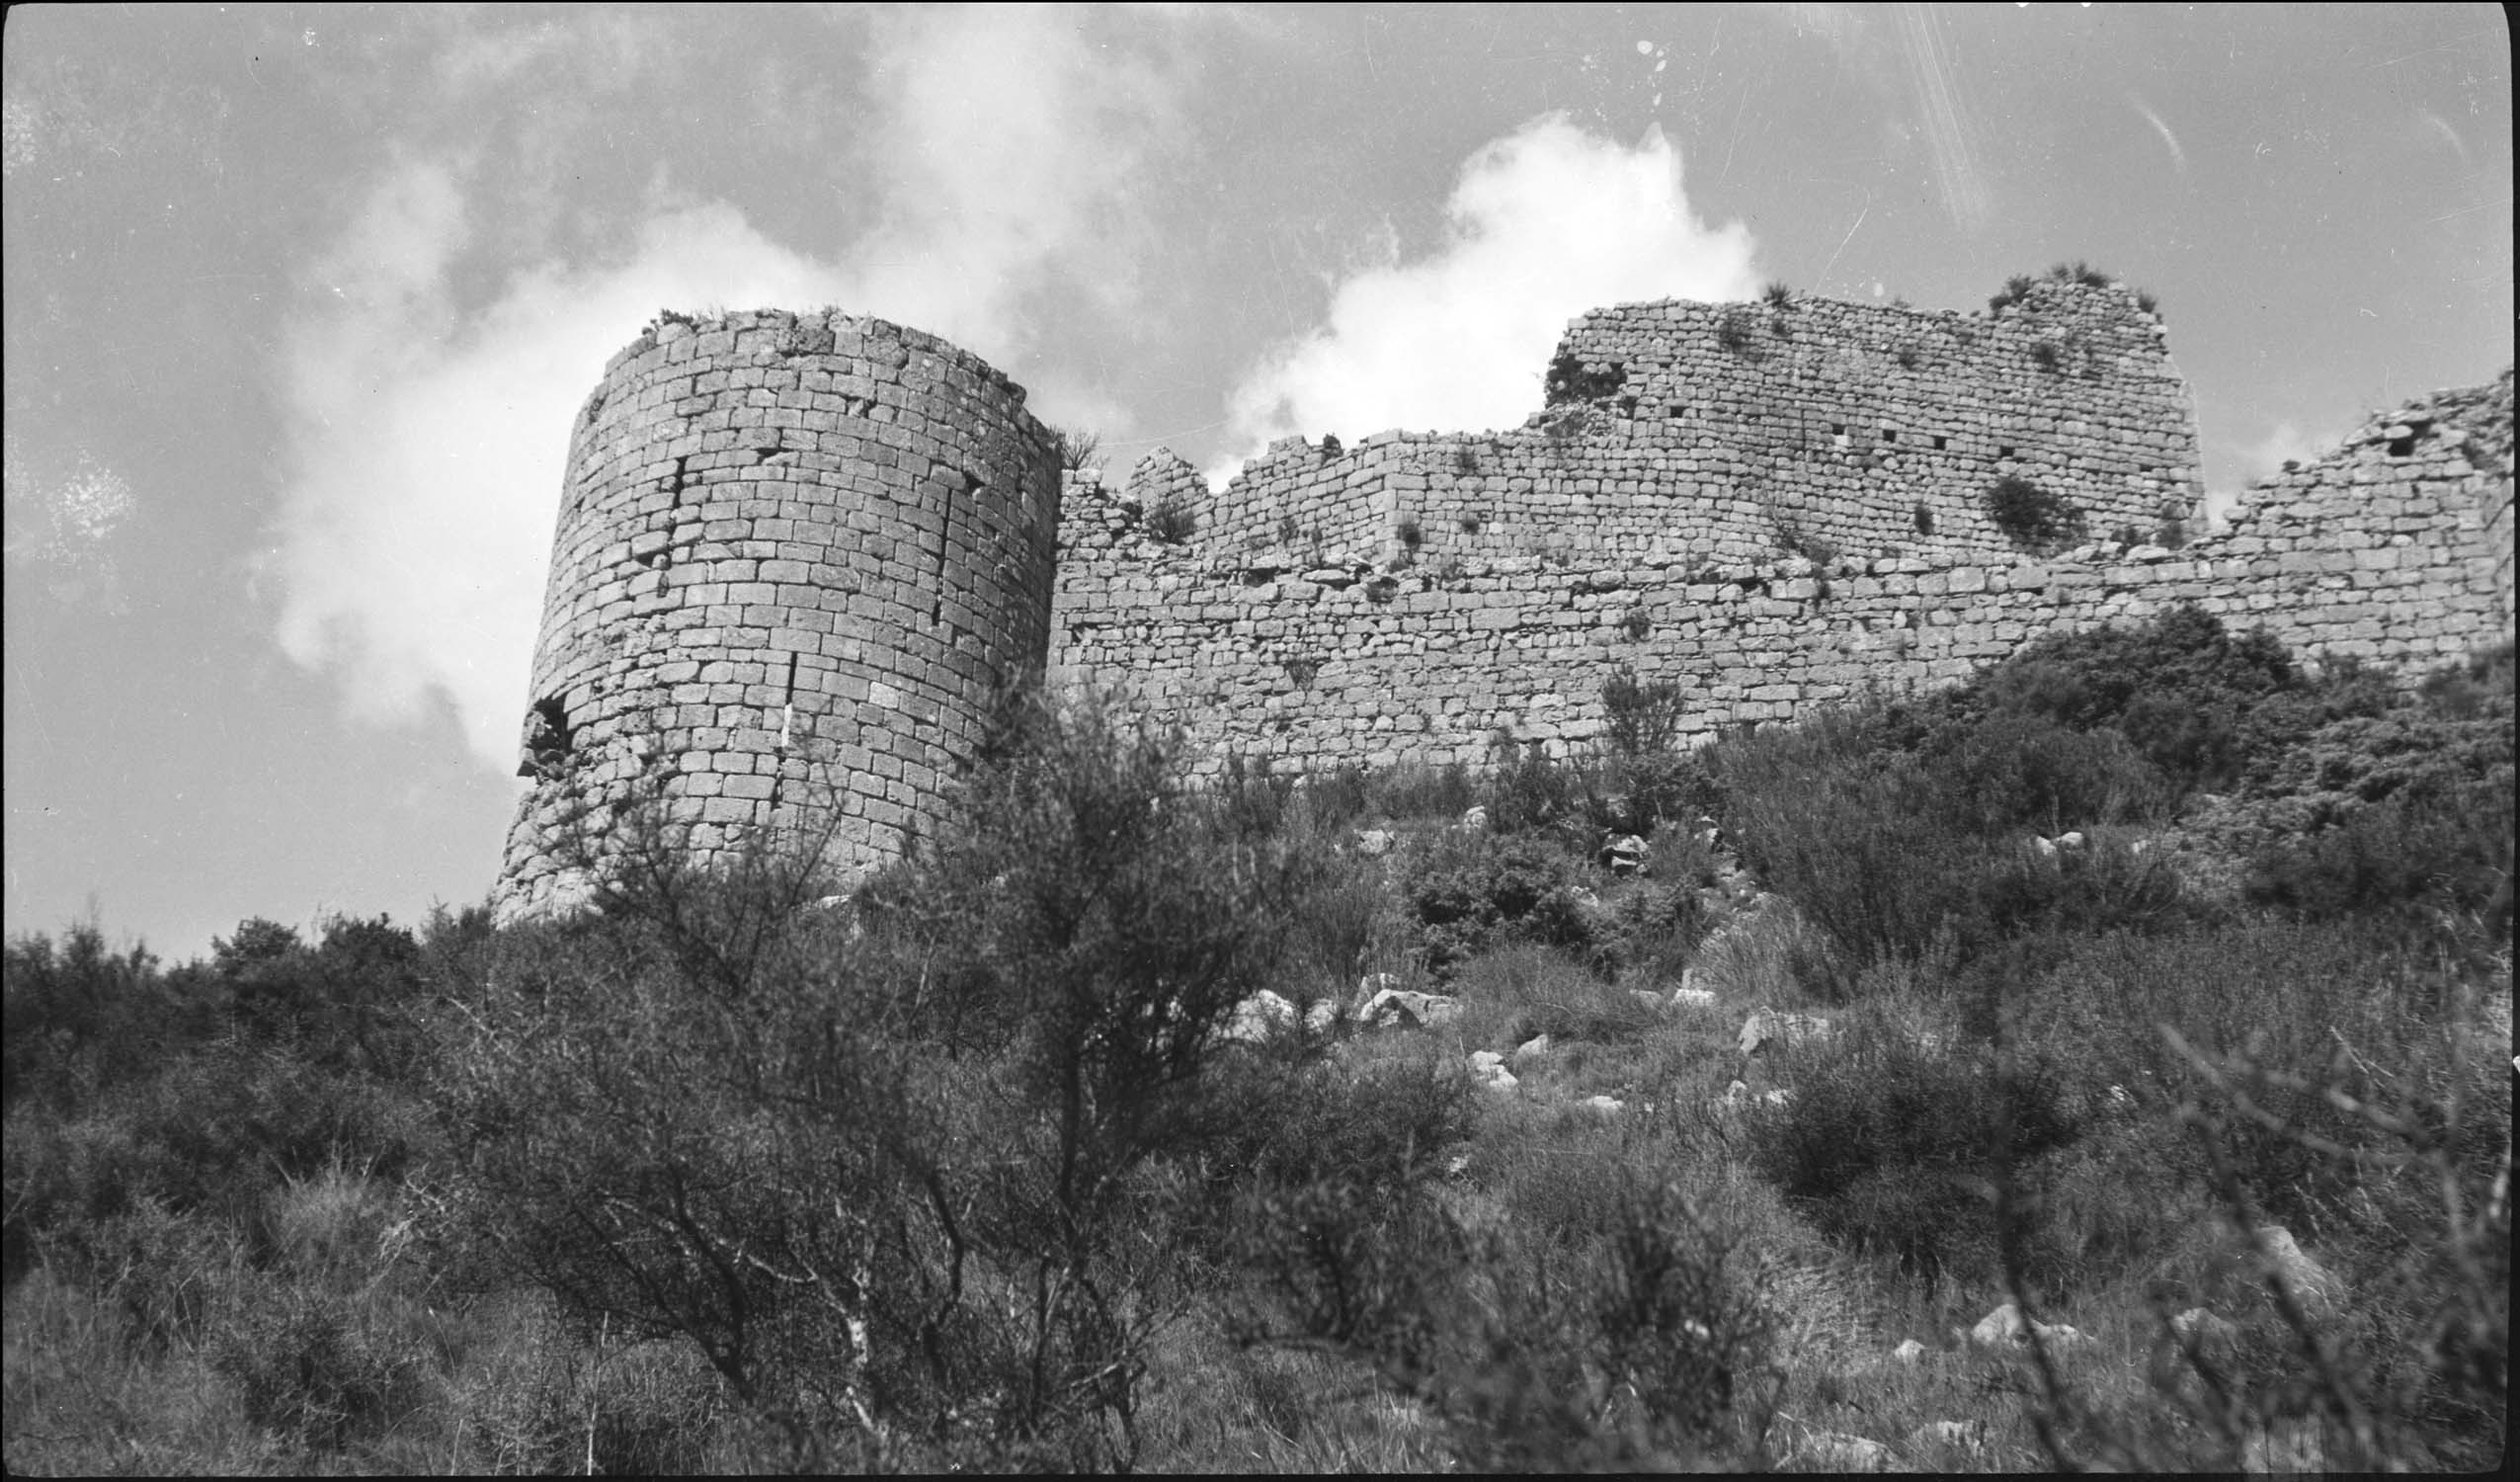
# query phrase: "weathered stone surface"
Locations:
[[1958, 1436], [1833, 1451], [1910, 1351], [1694, 998], [1488, 1068], [1770, 1028], [1531, 1051], [799, 552], [2211, 1337], [1403, 1008], [2006, 1328], [2319, 1293]]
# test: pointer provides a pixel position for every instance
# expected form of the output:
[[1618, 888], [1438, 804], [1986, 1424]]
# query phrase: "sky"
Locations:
[[300, 301]]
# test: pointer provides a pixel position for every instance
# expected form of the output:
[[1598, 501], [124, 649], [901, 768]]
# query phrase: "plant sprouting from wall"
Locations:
[[1572, 379], [1643, 716], [2033, 517], [1171, 520]]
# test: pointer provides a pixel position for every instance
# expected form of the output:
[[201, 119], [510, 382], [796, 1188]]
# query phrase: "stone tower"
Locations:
[[797, 555]]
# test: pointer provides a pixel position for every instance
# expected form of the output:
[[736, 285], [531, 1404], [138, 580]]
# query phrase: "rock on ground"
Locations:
[[1769, 1028]]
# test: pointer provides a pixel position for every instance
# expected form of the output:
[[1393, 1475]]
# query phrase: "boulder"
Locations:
[[1374, 844], [1475, 818], [2047, 848], [2317, 1290], [2070, 842], [1651, 999], [1605, 1105], [1692, 998], [1403, 1008], [2006, 1328], [1321, 1016], [1488, 1068], [1960, 1435], [1836, 1452], [1367, 987], [2210, 1338], [1532, 1051], [1769, 1028], [1624, 855], [1258, 1016], [1908, 1351]]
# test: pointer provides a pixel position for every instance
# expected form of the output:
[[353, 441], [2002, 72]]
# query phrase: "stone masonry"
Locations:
[[796, 554]]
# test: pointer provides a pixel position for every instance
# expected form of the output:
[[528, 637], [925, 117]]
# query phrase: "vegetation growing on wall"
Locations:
[[2033, 517], [1571, 380]]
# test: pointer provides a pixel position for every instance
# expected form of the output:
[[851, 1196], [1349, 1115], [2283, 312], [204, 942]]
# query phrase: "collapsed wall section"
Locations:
[[2394, 548], [795, 557]]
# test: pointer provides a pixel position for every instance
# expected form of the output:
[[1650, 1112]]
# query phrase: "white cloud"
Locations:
[[430, 433], [1017, 151], [1545, 224], [417, 527]]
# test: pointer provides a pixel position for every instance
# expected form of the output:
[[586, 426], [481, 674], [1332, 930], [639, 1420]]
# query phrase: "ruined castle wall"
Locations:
[[795, 555], [1729, 433], [2394, 548]]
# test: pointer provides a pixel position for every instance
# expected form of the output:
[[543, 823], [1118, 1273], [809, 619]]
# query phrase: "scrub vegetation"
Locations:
[[2147, 974]]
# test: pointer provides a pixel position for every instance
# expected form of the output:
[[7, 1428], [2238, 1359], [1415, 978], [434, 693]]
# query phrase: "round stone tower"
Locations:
[[796, 556]]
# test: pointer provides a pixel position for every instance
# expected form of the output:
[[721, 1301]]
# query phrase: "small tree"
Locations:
[[889, 1171]]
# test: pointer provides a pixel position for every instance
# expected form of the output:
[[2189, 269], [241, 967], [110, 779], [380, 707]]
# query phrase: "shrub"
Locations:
[[1572, 380], [1733, 330], [2015, 290], [1642, 718], [1642, 1344], [905, 1188], [1171, 521], [1896, 1150], [1472, 891], [1528, 791], [2032, 516], [1777, 293]]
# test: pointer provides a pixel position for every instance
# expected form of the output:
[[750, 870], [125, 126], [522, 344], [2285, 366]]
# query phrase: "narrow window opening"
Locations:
[[787, 706], [2401, 448], [1890, 435], [548, 740], [1678, 411], [2004, 453], [1942, 442]]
